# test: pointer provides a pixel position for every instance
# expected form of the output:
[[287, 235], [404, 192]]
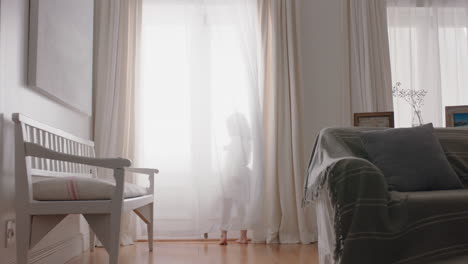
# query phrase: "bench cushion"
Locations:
[[81, 188]]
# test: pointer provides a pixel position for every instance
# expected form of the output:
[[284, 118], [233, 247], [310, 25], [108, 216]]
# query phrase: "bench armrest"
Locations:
[[35, 150], [148, 171]]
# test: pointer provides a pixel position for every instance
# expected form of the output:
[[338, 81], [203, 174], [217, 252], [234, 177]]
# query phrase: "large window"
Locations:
[[429, 50]]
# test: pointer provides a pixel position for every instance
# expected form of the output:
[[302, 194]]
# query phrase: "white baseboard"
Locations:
[[57, 253]]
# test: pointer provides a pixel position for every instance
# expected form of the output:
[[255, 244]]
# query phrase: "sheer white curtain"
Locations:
[[429, 50], [199, 115]]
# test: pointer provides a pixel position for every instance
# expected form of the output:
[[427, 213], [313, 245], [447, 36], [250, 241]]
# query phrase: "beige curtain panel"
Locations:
[[287, 221], [118, 30], [370, 70]]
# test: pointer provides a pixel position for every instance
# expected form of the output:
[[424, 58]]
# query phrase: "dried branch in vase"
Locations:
[[415, 98]]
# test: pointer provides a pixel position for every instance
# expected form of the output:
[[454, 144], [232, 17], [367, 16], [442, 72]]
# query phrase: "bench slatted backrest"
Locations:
[[56, 140]]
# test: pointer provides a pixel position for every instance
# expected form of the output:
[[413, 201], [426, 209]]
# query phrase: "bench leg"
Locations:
[[92, 240], [146, 214], [116, 217], [114, 238], [150, 226], [23, 237]]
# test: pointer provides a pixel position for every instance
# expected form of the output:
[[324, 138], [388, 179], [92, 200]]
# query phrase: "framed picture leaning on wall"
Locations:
[[456, 116], [374, 119], [60, 59]]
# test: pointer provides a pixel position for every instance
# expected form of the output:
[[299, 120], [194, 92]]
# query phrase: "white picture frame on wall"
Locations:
[[60, 63]]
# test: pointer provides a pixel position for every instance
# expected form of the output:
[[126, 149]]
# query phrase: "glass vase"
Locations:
[[417, 118]]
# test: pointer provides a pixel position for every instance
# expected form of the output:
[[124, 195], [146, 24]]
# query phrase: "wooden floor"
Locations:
[[206, 252]]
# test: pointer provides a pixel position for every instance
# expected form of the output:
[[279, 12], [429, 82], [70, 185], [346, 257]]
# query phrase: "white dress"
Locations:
[[235, 178]]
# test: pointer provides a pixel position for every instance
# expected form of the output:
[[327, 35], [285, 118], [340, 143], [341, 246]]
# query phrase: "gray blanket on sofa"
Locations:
[[374, 225]]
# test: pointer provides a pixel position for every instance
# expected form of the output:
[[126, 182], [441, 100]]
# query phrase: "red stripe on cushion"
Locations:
[[67, 186], [77, 189], [73, 189]]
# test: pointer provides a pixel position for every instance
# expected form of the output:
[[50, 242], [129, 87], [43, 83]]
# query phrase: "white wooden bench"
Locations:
[[47, 153]]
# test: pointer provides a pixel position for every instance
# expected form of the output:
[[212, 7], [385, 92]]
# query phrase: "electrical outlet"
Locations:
[[10, 233]]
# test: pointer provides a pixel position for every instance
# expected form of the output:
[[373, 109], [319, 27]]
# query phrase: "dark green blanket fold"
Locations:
[[373, 225]]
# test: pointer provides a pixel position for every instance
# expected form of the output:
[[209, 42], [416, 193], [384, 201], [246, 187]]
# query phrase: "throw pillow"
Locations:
[[411, 159]]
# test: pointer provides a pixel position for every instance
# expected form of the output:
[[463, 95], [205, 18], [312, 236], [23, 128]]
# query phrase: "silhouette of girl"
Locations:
[[236, 175]]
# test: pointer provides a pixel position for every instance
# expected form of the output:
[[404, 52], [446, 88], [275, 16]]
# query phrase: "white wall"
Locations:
[[15, 96], [325, 67]]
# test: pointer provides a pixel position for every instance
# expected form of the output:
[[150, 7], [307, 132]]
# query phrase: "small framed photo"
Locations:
[[375, 119], [456, 116]]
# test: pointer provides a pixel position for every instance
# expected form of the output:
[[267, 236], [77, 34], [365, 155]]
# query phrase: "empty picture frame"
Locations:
[[61, 51], [374, 119], [456, 116]]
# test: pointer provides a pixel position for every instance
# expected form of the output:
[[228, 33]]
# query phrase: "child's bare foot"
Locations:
[[222, 242], [243, 237], [223, 238], [242, 241]]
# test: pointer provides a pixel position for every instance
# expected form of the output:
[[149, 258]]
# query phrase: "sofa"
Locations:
[[360, 220]]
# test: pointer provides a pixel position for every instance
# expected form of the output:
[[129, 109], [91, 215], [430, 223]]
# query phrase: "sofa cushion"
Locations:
[[81, 188], [411, 159]]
